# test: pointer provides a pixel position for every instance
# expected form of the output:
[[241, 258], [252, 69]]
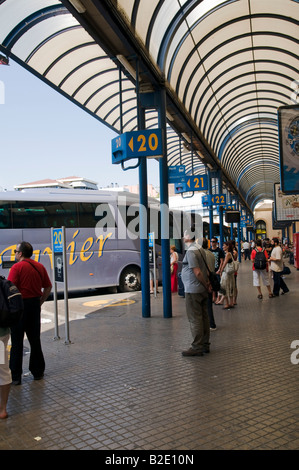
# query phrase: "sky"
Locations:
[[44, 135]]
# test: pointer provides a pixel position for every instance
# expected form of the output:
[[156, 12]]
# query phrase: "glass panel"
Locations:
[[90, 214], [12, 14], [5, 218], [56, 47], [166, 14], [84, 72], [41, 31], [43, 214]]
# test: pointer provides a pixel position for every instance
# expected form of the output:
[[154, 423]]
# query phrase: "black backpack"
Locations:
[[260, 261], [11, 304]]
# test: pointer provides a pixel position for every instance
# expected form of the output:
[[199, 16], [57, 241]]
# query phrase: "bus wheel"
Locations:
[[130, 280]]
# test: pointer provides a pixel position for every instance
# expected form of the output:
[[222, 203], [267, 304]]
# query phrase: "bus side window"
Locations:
[[87, 214], [105, 216], [61, 214], [27, 214], [5, 215], [177, 243]]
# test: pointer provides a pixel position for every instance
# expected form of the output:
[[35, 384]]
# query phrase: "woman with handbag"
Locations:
[[227, 272]]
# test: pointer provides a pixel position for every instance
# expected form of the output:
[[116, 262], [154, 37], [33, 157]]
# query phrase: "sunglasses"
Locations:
[[17, 251]]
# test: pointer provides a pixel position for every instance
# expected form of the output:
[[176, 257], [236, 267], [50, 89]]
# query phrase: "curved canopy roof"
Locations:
[[226, 67]]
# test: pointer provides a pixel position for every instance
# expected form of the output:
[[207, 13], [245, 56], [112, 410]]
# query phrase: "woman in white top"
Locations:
[[227, 276]]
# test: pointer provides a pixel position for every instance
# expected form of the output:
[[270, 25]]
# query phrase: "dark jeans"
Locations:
[[210, 311], [30, 324], [279, 283]]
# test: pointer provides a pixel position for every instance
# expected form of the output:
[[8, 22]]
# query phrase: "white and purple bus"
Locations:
[[102, 233]]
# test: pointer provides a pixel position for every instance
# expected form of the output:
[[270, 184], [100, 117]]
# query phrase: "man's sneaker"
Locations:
[[213, 329], [192, 352]]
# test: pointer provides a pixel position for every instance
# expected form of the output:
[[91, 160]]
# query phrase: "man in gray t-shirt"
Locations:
[[196, 284]]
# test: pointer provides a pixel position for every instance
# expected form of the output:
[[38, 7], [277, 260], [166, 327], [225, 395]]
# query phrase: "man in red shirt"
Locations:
[[33, 282]]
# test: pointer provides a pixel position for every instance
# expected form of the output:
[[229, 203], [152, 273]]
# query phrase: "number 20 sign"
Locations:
[[145, 143]]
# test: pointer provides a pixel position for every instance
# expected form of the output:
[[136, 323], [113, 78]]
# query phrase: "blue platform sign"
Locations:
[[214, 200], [151, 239], [197, 183], [176, 174], [191, 183], [57, 240], [136, 144]]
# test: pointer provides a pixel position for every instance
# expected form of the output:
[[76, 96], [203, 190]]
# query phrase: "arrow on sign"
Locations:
[[130, 144]]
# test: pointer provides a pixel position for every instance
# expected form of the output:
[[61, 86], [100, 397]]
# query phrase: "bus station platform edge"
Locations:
[[122, 384]]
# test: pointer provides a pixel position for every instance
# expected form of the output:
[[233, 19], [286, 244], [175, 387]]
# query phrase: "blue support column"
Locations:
[[144, 249], [221, 226], [164, 213], [220, 211], [239, 232], [143, 201], [211, 228]]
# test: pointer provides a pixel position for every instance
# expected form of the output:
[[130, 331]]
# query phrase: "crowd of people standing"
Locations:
[[200, 261]]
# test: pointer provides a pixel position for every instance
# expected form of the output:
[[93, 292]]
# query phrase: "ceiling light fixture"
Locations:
[[126, 64]]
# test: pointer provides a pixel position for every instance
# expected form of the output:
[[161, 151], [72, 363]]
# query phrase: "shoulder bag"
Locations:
[[230, 267], [213, 278]]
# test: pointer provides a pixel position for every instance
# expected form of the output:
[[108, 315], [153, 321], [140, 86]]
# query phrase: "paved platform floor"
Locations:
[[122, 383]]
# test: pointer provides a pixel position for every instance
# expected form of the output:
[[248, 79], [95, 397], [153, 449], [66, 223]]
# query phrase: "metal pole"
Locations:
[[211, 229], [66, 306], [143, 201], [164, 212], [155, 265], [220, 211], [54, 292]]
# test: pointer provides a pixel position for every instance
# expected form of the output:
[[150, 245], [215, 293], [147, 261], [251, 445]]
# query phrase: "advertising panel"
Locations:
[[286, 205], [288, 127]]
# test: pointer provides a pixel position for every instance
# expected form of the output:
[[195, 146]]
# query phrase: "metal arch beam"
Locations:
[[65, 54], [222, 26], [253, 165], [98, 90], [257, 176], [252, 188], [217, 144], [242, 145], [249, 152], [260, 157], [260, 160], [229, 121], [264, 144], [246, 158], [172, 28], [108, 98], [241, 76], [249, 136], [227, 135], [235, 66], [277, 101], [30, 21], [81, 66]]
